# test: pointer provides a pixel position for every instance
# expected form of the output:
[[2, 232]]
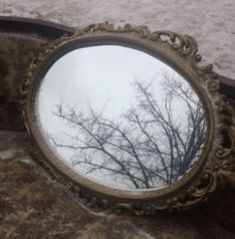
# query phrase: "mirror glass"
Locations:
[[120, 117]]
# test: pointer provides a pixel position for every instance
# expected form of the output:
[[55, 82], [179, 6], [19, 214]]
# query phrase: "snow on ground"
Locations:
[[210, 22]]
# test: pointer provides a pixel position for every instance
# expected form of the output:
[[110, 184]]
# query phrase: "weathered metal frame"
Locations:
[[180, 52]]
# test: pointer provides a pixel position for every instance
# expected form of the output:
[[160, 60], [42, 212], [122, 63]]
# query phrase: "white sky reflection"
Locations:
[[102, 78]]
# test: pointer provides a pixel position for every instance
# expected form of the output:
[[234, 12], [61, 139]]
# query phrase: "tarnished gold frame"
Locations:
[[216, 163]]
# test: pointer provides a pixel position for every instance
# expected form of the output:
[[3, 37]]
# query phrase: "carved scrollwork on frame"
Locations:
[[215, 166]]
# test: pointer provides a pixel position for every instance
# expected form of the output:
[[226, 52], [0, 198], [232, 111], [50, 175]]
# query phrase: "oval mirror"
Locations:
[[120, 117], [126, 118]]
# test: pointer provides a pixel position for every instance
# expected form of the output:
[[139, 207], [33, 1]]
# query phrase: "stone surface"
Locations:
[[16, 53], [32, 206]]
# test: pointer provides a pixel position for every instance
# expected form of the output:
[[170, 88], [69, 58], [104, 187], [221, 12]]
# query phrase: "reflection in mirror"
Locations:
[[121, 117]]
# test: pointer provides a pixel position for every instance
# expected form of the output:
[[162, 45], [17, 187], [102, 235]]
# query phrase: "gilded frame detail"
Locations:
[[216, 165]]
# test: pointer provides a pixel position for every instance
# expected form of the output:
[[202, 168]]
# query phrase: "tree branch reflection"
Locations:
[[147, 147]]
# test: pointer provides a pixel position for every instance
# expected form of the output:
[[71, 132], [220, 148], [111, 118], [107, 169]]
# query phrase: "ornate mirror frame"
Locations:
[[216, 163]]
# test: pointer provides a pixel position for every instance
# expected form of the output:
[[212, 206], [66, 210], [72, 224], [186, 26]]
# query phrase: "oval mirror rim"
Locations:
[[178, 57]]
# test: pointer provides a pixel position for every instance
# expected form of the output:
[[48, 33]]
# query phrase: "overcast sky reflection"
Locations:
[[102, 80]]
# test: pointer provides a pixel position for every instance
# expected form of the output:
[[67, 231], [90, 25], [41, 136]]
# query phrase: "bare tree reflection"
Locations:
[[147, 147]]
